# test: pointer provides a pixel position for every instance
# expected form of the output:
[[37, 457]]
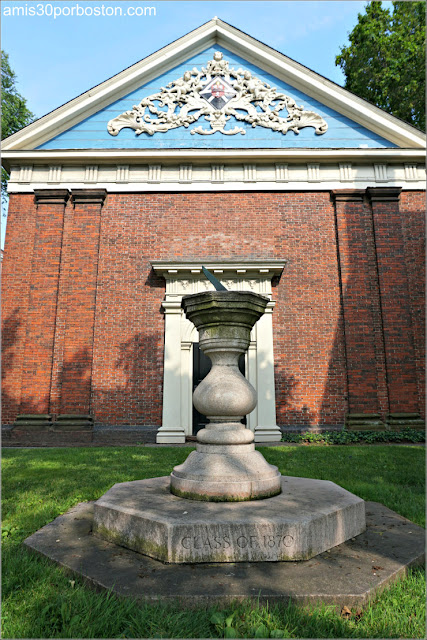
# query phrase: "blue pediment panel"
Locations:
[[315, 126]]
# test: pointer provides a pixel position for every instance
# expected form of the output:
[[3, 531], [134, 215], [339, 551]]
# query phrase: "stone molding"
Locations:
[[282, 172], [88, 196], [25, 173], [347, 195], [381, 173], [180, 335], [51, 196], [346, 171], [217, 173], [313, 171], [411, 171], [122, 174], [54, 173], [384, 194], [295, 175]]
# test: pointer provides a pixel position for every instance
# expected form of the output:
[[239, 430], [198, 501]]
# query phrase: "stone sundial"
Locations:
[[226, 503]]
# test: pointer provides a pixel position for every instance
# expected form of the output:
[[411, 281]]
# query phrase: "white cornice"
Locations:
[[246, 174], [216, 32], [175, 187], [105, 156], [242, 268]]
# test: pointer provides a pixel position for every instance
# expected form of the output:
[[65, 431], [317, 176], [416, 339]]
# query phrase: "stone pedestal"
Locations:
[[308, 517], [225, 465], [225, 503]]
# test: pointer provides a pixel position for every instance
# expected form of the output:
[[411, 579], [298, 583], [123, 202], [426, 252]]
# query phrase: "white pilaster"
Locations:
[[266, 429], [171, 430], [251, 374], [187, 387]]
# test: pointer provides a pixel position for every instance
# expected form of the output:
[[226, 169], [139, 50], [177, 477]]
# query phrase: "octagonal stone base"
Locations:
[[307, 518]]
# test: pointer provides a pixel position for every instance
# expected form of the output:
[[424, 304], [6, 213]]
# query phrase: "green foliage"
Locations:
[[15, 113], [42, 601], [248, 621], [353, 437], [385, 60]]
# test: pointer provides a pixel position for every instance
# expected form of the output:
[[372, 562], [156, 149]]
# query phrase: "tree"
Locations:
[[15, 113], [385, 60]]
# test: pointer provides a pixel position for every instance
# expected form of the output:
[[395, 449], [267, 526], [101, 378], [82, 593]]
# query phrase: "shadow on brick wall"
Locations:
[[135, 398], [334, 405], [287, 390], [11, 403]]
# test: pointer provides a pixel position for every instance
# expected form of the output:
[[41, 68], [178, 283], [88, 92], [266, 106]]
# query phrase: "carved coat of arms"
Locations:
[[217, 93]]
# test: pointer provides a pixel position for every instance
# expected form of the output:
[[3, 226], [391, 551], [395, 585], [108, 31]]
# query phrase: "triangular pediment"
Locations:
[[216, 88]]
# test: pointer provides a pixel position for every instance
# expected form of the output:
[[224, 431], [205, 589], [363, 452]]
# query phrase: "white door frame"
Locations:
[[180, 335]]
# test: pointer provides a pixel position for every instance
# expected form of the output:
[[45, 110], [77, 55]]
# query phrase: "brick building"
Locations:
[[215, 150]]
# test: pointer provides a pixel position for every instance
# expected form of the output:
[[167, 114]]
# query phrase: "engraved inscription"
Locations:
[[276, 541], [201, 542]]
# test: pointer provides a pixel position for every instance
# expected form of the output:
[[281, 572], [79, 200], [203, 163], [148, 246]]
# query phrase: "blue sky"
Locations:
[[56, 59]]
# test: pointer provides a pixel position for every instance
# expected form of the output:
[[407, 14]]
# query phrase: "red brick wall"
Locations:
[[366, 369], [16, 280], [79, 300], [395, 299], [104, 328], [412, 204]]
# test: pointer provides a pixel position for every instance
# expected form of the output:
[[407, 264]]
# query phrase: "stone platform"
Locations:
[[306, 518], [349, 574]]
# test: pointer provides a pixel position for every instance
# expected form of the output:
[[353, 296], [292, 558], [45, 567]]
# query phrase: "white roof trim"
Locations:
[[215, 32], [167, 156]]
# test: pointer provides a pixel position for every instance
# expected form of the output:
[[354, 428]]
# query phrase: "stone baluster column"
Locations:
[[225, 466]]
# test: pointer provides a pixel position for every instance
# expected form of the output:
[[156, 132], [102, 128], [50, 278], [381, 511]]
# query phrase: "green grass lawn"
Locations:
[[41, 601]]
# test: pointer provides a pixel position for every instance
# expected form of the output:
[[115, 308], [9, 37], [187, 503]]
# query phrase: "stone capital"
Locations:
[[88, 196], [347, 195], [172, 307], [384, 194], [51, 196]]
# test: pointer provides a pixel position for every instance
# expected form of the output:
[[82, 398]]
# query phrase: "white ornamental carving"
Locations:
[[217, 93]]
